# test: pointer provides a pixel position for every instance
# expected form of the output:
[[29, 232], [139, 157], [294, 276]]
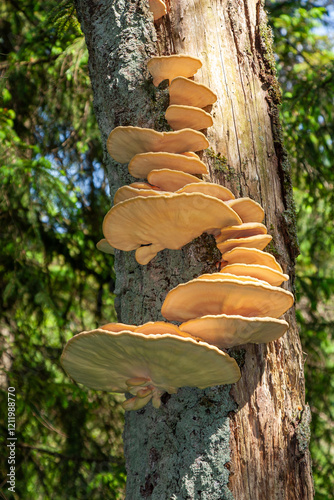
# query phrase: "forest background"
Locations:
[[53, 281]]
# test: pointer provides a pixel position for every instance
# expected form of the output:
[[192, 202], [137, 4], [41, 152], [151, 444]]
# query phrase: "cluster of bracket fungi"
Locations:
[[239, 304]]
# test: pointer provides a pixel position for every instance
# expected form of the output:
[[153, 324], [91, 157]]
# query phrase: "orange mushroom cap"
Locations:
[[171, 180], [142, 164], [180, 117], [125, 142], [169, 67], [226, 331], [251, 256], [263, 273], [210, 189], [202, 297], [259, 241], [247, 209], [190, 93], [158, 8], [242, 231]]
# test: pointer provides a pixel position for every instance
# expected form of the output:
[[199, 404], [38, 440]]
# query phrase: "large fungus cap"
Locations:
[[228, 331], [171, 180], [242, 231], [189, 93], [158, 8], [263, 273], [145, 365], [180, 117], [202, 297], [127, 192], [247, 209], [251, 256], [169, 67], [228, 276], [210, 189], [142, 164], [164, 221], [259, 241], [125, 142]]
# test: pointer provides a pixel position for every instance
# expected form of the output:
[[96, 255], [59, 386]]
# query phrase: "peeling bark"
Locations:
[[248, 441]]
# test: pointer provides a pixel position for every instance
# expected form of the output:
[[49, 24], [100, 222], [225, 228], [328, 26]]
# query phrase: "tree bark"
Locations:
[[249, 440]]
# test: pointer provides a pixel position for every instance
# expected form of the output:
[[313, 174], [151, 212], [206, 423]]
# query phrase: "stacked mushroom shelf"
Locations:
[[173, 205]]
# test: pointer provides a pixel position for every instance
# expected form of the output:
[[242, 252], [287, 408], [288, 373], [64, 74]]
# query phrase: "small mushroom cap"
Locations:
[[167, 221], [118, 327], [145, 185], [180, 117], [208, 188], [127, 192], [105, 361], [251, 256], [158, 8], [171, 180], [242, 231], [263, 273], [169, 67], [228, 331], [247, 209], [229, 276], [189, 93], [160, 328], [104, 246], [202, 297], [125, 142], [142, 164], [259, 241]]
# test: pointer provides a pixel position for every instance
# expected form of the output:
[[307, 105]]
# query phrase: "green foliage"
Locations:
[[54, 282], [305, 57]]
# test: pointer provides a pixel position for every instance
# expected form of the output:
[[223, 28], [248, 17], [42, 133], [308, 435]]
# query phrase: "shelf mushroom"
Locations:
[[171, 180], [159, 222], [127, 192], [241, 231], [142, 164], [251, 256], [263, 273], [125, 142], [187, 92], [180, 117], [210, 189], [104, 246], [226, 331], [169, 67], [158, 8], [259, 241], [145, 365], [200, 297], [248, 209]]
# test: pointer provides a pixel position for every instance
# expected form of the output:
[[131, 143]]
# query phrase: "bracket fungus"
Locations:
[[142, 164], [200, 297], [210, 189], [263, 273], [125, 142], [251, 256], [164, 222], [158, 8], [169, 67], [248, 209], [189, 93], [259, 241], [229, 331], [127, 192], [180, 117], [171, 180], [145, 365], [104, 246], [242, 231]]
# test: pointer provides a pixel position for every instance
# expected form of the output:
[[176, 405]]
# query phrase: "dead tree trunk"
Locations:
[[249, 440]]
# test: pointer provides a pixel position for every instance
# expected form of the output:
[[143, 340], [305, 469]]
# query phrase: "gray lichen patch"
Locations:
[[160, 439]]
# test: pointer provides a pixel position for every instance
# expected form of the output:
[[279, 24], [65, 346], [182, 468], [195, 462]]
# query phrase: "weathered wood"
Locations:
[[250, 442]]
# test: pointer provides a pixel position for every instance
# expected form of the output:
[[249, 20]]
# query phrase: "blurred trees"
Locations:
[[54, 282], [304, 46], [52, 201]]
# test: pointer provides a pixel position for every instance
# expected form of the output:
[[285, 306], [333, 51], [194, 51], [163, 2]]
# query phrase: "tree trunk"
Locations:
[[248, 440]]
